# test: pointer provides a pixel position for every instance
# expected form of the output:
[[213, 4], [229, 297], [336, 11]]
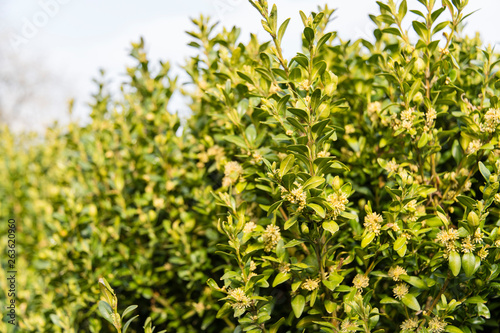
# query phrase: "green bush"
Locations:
[[353, 187]]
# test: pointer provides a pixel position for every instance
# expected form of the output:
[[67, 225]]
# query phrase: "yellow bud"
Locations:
[[336, 183], [473, 219]]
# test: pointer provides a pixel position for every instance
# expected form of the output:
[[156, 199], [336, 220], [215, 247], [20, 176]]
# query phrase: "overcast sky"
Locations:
[[75, 38]]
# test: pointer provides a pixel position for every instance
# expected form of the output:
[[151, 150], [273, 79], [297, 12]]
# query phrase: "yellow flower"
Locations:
[[483, 253], [232, 171], [284, 267], [271, 237], [295, 196], [249, 227], [400, 290], [372, 222], [348, 326], [491, 121], [391, 166], [361, 281], [473, 147], [446, 236], [242, 301], [396, 272], [409, 325], [436, 325], [338, 202], [467, 245], [310, 284]]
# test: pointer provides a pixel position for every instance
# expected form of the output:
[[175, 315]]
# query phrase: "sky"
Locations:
[[73, 39]]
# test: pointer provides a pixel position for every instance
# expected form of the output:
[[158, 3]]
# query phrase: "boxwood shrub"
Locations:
[[353, 187]]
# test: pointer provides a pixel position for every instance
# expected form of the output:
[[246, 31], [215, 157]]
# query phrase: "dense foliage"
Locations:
[[353, 187]]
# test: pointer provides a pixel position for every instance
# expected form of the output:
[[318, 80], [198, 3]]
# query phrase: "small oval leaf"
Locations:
[[298, 304]]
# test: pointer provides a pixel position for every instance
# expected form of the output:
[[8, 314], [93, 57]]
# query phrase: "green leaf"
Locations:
[[245, 77], [106, 311], [483, 311], [292, 243], [323, 40], [313, 182], [224, 310], [484, 171], [236, 140], [423, 140], [442, 216], [466, 201], [392, 31], [274, 327], [330, 306], [389, 300], [434, 222], [455, 262], [402, 251], [367, 239], [309, 34], [333, 281], [282, 29], [213, 284], [403, 8], [331, 226], [318, 209], [469, 264], [280, 278], [453, 329], [290, 222], [475, 300], [286, 165], [301, 114], [440, 27], [127, 324], [399, 243], [295, 123], [414, 281], [251, 133], [410, 301], [55, 319], [298, 303], [128, 310], [274, 207]]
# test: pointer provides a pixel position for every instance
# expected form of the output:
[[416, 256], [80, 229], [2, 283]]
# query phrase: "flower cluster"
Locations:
[[271, 237], [392, 166], [491, 121], [348, 326], [232, 172], [284, 268], [310, 284], [409, 325], [396, 272], [448, 238], [473, 147], [241, 300], [430, 116], [373, 111], [295, 196], [400, 290], [467, 245], [407, 118], [373, 223], [249, 227], [361, 281], [338, 201], [436, 325]]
